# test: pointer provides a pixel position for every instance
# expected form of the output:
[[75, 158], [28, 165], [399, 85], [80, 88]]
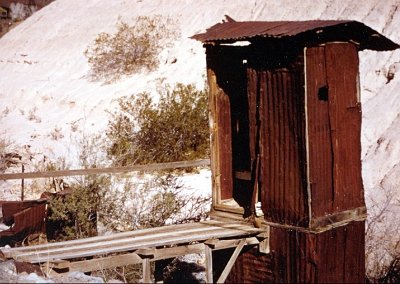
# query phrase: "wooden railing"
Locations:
[[111, 170]]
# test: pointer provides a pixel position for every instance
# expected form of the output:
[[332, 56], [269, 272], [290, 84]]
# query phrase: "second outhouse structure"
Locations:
[[285, 119]]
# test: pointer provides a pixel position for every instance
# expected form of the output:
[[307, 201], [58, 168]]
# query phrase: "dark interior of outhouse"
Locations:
[[232, 65]]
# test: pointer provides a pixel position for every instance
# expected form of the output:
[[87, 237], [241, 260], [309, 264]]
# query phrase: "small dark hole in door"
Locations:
[[323, 94]]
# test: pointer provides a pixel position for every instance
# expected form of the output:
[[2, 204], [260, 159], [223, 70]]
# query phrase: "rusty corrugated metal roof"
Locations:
[[230, 31]]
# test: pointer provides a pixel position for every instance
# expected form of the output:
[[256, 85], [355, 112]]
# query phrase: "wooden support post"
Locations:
[[231, 262], [209, 266], [263, 246], [146, 270], [23, 184], [146, 255], [47, 269]]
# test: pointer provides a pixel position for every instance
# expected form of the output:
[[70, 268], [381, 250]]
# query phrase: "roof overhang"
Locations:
[[303, 32]]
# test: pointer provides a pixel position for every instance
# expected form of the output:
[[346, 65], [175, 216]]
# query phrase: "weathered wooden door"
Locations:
[[277, 137]]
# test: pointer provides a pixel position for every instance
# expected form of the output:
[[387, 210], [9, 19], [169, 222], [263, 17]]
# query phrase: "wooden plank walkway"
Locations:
[[138, 246]]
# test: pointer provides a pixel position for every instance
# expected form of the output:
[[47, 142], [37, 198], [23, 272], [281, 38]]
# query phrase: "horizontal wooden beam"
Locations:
[[337, 219], [112, 170], [243, 175], [225, 244], [317, 226], [98, 263], [171, 252]]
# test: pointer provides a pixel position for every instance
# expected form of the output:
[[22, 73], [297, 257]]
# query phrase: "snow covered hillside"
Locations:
[[47, 100]]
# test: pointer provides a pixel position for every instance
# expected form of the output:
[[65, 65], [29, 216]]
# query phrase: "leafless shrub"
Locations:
[[382, 251], [32, 115], [5, 112], [56, 134]]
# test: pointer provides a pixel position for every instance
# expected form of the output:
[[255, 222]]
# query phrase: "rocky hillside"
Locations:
[[48, 101], [47, 96]]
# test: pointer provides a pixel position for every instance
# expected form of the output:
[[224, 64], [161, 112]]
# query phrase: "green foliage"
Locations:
[[174, 129], [131, 49], [119, 203], [74, 215]]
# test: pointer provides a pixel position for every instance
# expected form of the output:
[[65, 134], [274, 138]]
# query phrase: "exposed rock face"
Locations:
[[185, 269], [28, 274]]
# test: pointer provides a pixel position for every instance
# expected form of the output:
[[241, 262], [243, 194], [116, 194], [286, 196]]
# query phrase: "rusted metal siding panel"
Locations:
[[25, 222], [253, 104], [30, 220], [304, 31], [291, 255], [340, 255], [255, 107], [335, 256], [345, 120], [9, 208], [242, 30], [354, 271], [284, 191], [250, 266]]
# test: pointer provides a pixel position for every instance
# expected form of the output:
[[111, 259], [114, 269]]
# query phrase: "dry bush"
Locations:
[[133, 48], [382, 250]]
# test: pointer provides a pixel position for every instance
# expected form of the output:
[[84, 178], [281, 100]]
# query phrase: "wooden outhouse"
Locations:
[[285, 119]]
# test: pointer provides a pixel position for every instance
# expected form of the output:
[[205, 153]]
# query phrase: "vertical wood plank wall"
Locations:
[[225, 147], [319, 133], [334, 127], [221, 137], [345, 115]]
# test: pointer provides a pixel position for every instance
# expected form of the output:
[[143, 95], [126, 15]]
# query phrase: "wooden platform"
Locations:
[[140, 246]]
